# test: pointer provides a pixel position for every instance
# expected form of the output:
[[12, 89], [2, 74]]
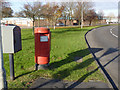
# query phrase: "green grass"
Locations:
[[66, 44]]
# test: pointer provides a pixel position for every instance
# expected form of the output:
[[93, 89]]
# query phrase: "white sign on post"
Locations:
[[43, 38]]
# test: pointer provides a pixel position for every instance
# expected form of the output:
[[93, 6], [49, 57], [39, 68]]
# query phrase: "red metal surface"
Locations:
[[42, 49]]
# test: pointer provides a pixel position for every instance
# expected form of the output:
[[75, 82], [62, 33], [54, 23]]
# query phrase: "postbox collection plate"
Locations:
[[43, 38]]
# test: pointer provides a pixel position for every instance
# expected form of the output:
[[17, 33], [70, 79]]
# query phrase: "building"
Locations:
[[42, 22], [20, 21], [111, 20]]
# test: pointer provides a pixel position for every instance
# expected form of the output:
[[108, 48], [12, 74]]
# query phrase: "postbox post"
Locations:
[[42, 47], [11, 59]]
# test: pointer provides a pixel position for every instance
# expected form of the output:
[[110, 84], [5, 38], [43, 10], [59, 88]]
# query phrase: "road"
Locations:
[[104, 44]]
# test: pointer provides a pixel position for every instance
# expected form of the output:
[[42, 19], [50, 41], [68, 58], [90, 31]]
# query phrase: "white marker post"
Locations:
[[3, 83]]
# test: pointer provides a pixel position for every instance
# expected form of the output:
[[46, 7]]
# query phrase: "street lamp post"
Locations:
[[82, 14], [39, 13], [3, 83]]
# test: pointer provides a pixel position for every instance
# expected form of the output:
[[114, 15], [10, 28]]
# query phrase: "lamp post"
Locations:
[[39, 13], [3, 82], [82, 14]]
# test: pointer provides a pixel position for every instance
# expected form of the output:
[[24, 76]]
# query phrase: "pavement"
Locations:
[[54, 83]]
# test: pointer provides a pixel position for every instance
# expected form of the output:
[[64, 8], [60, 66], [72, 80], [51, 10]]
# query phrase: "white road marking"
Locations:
[[113, 33]]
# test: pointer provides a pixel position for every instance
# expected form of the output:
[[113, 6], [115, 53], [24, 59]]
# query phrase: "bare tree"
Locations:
[[48, 12], [77, 13], [110, 16], [52, 12], [91, 16], [68, 12], [40, 13], [6, 10], [32, 10], [19, 14], [100, 15], [86, 6], [58, 10]]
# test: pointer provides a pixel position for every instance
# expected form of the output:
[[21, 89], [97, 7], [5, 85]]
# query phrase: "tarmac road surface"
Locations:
[[104, 44]]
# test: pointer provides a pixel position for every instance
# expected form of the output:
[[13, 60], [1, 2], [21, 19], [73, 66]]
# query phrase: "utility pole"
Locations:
[[82, 14], [3, 83]]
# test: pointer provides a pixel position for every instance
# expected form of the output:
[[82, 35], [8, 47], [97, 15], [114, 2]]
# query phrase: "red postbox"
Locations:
[[42, 46]]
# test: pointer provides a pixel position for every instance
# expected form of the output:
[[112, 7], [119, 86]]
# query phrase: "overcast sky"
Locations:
[[107, 6]]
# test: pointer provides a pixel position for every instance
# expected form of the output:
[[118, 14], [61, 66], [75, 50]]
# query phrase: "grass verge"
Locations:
[[67, 44]]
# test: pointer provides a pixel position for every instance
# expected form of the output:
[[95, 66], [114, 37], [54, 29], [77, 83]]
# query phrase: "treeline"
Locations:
[[53, 11]]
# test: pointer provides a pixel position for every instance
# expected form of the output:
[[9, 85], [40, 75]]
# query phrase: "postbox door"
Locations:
[[44, 45]]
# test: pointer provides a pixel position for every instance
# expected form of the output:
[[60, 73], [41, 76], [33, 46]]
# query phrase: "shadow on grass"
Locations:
[[71, 57], [82, 78], [66, 72], [24, 74]]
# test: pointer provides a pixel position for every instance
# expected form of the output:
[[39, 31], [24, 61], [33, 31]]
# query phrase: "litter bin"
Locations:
[[42, 47]]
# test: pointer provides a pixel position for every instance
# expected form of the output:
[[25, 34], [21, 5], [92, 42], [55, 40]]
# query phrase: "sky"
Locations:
[[106, 6]]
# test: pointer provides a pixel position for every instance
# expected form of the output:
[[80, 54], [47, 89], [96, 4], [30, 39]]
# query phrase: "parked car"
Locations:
[[60, 24]]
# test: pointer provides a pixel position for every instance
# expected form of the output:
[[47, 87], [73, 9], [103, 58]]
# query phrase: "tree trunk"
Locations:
[[54, 26], [79, 22], [90, 23], [65, 22], [47, 23], [39, 22], [33, 27]]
